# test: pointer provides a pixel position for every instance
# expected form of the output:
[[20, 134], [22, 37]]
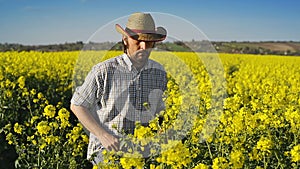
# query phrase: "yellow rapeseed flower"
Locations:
[[8, 93], [130, 161], [43, 128], [54, 125], [264, 144], [51, 139], [175, 154], [18, 128], [237, 159], [33, 119], [43, 145], [21, 81], [85, 138], [33, 92], [295, 153], [49, 111], [31, 139], [201, 166], [63, 116], [40, 95], [220, 163], [75, 133], [9, 138]]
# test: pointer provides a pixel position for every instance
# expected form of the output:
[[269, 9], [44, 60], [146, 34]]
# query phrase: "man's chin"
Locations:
[[143, 54]]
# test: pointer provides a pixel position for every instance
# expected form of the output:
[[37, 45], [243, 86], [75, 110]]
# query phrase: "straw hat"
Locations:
[[141, 26]]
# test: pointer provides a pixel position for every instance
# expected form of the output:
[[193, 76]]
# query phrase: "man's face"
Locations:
[[138, 51]]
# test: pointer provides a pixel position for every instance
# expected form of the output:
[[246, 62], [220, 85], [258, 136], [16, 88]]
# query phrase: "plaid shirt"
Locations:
[[117, 95]]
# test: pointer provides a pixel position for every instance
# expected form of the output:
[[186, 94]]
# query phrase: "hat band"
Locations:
[[139, 31]]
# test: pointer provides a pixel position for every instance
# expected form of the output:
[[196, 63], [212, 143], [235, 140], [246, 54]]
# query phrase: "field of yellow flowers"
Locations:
[[254, 121]]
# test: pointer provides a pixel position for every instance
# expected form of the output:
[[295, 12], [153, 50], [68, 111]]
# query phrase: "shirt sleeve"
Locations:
[[86, 95]]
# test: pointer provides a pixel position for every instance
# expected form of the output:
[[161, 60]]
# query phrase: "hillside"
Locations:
[[279, 48]]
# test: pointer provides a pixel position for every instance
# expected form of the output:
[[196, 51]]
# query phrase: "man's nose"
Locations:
[[143, 45]]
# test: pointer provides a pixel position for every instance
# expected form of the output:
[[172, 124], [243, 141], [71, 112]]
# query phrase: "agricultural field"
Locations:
[[222, 111]]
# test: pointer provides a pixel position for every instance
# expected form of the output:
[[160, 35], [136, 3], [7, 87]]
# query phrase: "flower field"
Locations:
[[254, 122]]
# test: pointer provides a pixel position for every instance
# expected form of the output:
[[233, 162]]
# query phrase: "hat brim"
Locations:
[[159, 34]]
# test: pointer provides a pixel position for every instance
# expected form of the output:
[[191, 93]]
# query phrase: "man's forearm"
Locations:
[[107, 140], [87, 119]]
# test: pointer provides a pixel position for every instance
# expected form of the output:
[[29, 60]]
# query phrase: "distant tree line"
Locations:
[[284, 47], [46, 48], [196, 46]]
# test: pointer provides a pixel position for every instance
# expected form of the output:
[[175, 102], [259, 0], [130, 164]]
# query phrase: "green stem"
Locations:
[[28, 99], [208, 146], [39, 157], [265, 163], [279, 164]]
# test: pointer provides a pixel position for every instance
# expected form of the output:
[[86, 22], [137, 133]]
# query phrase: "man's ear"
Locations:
[[125, 40]]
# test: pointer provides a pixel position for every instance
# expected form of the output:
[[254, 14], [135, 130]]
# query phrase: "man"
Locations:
[[114, 94]]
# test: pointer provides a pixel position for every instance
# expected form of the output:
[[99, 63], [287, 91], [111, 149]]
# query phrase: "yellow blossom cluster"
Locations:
[[175, 154], [33, 114], [255, 124], [295, 153]]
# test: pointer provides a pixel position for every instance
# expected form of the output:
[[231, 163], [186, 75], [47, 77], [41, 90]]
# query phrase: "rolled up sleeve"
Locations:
[[86, 94]]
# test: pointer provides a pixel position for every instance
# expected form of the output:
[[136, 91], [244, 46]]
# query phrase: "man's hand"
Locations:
[[109, 141]]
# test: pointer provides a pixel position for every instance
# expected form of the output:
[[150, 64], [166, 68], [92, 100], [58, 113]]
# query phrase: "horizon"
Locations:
[[30, 22], [233, 41]]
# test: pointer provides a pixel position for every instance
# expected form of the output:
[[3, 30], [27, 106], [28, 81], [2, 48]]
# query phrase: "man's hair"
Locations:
[[124, 47]]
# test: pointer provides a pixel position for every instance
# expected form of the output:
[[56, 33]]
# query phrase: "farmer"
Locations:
[[123, 90]]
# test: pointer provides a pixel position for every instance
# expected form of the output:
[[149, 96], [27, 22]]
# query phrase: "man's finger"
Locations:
[[115, 146], [109, 148]]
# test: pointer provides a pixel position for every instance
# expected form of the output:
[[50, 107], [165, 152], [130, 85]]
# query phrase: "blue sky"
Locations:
[[60, 21]]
